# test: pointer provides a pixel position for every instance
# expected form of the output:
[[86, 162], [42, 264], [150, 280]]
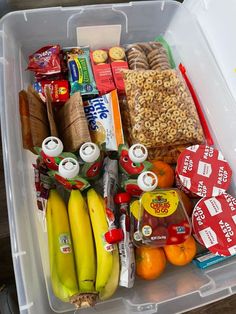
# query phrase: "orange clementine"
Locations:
[[164, 172], [150, 262], [187, 203], [181, 254]]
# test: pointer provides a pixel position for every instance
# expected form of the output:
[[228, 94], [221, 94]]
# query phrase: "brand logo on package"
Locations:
[[199, 215], [213, 206], [231, 201], [188, 164], [204, 169], [201, 189], [208, 152], [227, 230], [222, 176], [186, 181], [209, 237], [65, 243], [96, 109]]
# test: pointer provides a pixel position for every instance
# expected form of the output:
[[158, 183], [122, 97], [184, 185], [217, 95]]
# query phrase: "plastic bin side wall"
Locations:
[[192, 48], [21, 34]]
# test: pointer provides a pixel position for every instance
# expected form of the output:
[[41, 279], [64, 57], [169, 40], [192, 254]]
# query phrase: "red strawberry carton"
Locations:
[[214, 224], [202, 171]]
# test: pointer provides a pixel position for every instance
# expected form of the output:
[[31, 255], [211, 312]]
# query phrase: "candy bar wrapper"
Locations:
[[127, 259], [102, 71], [110, 184], [80, 72]]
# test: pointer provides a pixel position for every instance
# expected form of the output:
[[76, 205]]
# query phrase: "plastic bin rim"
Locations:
[[87, 6]]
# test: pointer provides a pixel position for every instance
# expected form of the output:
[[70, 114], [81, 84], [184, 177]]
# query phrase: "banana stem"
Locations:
[[84, 300]]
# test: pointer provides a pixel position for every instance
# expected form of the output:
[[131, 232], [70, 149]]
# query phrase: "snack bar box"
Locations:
[[201, 35]]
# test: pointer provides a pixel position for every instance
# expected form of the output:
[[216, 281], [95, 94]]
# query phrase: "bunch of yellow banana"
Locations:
[[81, 273], [108, 265], [62, 266]]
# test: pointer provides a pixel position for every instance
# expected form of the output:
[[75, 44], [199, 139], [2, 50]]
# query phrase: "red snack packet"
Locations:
[[117, 67], [118, 63], [102, 71], [46, 60], [59, 90]]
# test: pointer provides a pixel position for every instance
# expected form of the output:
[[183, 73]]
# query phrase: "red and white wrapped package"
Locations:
[[59, 90], [214, 224], [117, 68], [102, 71], [202, 171]]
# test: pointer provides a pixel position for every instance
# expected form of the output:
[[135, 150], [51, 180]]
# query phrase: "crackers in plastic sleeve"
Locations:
[[25, 121], [146, 56], [162, 112], [39, 125], [50, 113], [72, 124]]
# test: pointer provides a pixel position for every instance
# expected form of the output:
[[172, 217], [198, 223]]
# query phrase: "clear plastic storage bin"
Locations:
[[199, 34]]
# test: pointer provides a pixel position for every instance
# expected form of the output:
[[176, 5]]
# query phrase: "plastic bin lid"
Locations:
[[217, 21]]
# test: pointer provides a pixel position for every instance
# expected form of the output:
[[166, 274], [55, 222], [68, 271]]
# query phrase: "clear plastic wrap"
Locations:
[[161, 110], [146, 56], [159, 219]]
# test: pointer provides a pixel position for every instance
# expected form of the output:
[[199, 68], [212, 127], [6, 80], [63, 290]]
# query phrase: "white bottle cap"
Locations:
[[89, 152], [147, 181], [68, 168], [138, 153], [52, 146]]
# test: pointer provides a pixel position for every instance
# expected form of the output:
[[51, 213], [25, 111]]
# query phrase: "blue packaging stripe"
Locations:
[[73, 70], [212, 260]]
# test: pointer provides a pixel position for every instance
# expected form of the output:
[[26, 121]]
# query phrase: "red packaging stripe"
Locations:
[[214, 222], [202, 170]]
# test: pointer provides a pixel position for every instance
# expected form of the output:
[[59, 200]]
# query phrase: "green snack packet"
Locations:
[[164, 43], [80, 72]]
